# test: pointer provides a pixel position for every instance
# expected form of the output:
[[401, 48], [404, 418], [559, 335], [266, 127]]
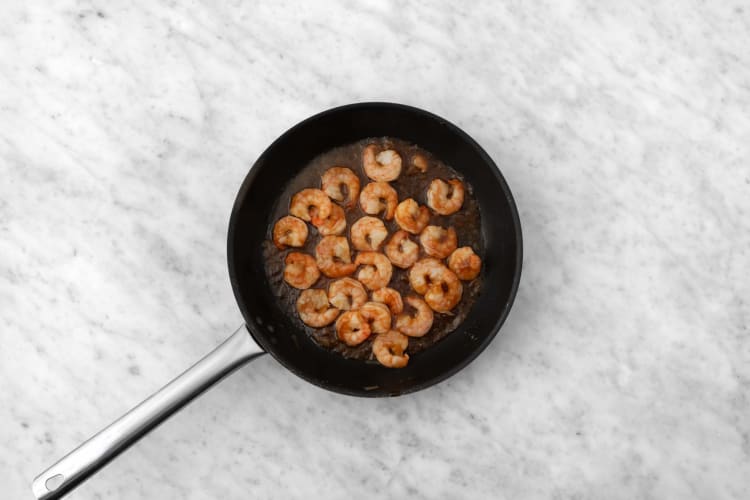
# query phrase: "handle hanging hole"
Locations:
[[54, 482]]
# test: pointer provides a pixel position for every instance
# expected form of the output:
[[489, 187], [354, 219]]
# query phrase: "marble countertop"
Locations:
[[623, 370]]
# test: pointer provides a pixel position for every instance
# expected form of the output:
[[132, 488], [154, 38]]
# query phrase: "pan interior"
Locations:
[[283, 160]]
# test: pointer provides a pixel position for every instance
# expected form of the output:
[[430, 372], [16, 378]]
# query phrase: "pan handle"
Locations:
[[81, 463]]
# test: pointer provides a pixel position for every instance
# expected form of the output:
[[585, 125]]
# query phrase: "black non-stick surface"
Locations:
[[281, 336], [411, 184]]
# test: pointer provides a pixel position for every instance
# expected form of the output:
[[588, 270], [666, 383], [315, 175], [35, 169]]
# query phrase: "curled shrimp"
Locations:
[[445, 294], [289, 231], [335, 223], [411, 217], [314, 309], [401, 250], [377, 315], [310, 204], [368, 233], [440, 286], [389, 349], [347, 293], [300, 270], [389, 297], [426, 272], [333, 257], [438, 241], [379, 197], [465, 263], [445, 197], [376, 271], [352, 328], [384, 166], [336, 178], [417, 324]]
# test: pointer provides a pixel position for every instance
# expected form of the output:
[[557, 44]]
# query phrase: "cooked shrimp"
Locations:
[[300, 271], [443, 295], [465, 263], [438, 241], [417, 324], [336, 178], [389, 297], [335, 223], [377, 315], [411, 217], [368, 233], [314, 309], [389, 349], [310, 204], [379, 197], [352, 328], [426, 272], [445, 197], [401, 250], [440, 286], [347, 293], [419, 163], [377, 269], [384, 166], [333, 257], [289, 231]]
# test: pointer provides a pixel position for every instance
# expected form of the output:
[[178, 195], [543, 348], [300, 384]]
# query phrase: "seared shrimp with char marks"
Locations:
[[377, 315], [418, 323], [333, 257], [389, 349], [411, 217], [389, 297], [368, 233], [379, 197], [383, 166], [424, 273], [335, 223], [440, 286], [401, 250], [352, 329], [465, 263], [445, 198], [341, 184], [438, 241], [314, 309], [310, 205], [445, 294], [376, 271], [289, 231], [300, 270], [347, 293]]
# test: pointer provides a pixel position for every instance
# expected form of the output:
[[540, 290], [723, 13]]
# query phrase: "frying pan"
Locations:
[[268, 329]]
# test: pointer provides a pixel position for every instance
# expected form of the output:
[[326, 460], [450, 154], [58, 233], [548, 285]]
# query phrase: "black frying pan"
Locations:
[[272, 331]]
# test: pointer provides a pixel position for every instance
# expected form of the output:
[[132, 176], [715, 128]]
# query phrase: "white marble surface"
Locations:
[[624, 130]]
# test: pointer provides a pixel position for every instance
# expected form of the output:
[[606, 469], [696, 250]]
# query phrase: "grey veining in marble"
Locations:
[[622, 127]]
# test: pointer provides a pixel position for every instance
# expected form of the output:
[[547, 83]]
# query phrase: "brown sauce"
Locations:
[[411, 184]]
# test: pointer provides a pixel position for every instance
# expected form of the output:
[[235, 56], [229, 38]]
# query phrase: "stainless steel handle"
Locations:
[[81, 463]]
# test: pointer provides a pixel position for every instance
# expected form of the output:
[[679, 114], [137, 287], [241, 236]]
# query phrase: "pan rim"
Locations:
[[258, 164]]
